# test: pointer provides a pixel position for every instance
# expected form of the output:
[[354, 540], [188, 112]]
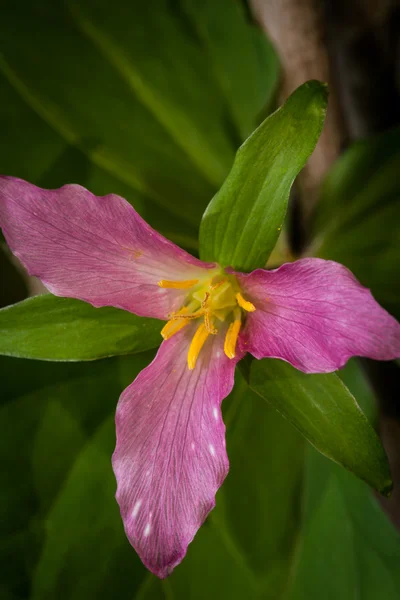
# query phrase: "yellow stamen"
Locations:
[[198, 341], [214, 301], [245, 304], [173, 326], [178, 285], [231, 338]]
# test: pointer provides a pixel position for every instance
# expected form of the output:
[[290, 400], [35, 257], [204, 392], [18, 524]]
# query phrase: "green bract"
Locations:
[[51, 328], [244, 219], [324, 411]]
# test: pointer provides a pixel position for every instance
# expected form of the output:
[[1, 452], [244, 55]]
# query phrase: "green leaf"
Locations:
[[159, 78], [324, 411], [247, 84], [355, 378], [242, 222], [85, 542], [51, 328], [347, 549], [357, 218]]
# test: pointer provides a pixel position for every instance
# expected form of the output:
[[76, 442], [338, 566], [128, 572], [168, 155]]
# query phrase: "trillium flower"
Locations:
[[170, 458]]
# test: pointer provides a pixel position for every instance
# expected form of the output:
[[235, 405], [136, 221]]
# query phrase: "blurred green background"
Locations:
[[151, 101]]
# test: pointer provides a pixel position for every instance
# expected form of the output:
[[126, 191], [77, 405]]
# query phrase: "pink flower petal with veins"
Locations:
[[97, 249], [314, 314], [170, 457]]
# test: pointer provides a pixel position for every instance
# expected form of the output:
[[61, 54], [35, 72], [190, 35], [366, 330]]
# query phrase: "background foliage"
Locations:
[[152, 102]]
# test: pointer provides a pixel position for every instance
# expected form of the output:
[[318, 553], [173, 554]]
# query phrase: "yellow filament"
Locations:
[[245, 304], [206, 298], [231, 338], [217, 285], [178, 285], [196, 345], [209, 324], [177, 316]]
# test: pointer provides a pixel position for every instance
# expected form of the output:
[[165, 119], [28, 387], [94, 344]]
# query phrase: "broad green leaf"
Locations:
[[167, 76], [243, 221], [357, 218], [347, 548], [21, 376], [355, 378], [247, 84], [50, 328], [84, 534], [325, 412]]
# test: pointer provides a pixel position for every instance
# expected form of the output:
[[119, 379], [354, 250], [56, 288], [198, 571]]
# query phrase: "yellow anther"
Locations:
[[173, 326], [196, 345], [231, 338], [177, 285], [245, 304]]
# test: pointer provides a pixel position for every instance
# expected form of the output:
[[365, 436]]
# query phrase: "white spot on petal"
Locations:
[[147, 530], [136, 508], [215, 413], [218, 354], [192, 445], [212, 450]]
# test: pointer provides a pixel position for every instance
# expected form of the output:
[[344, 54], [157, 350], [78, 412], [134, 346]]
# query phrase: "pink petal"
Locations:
[[97, 249], [170, 457], [314, 314]]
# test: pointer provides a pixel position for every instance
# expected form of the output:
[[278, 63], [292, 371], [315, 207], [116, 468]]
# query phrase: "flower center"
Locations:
[[214, 301]]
